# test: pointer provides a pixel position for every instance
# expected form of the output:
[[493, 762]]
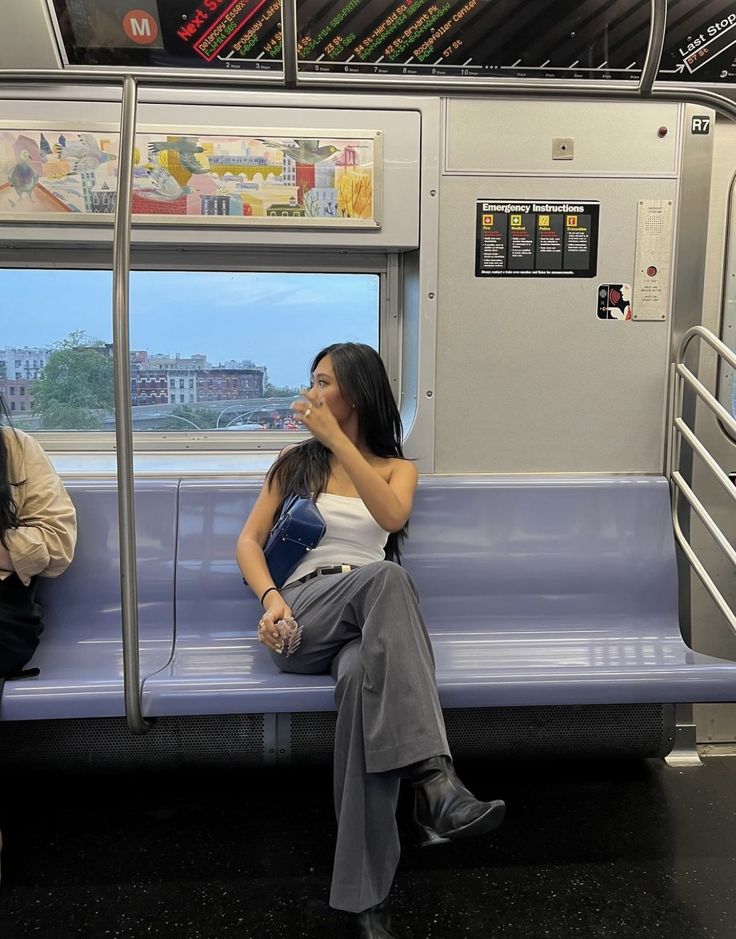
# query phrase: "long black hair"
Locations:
[[8, 506], [363, 382]]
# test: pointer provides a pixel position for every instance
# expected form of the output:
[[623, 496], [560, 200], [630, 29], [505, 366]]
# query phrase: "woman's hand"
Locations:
[[317, 417], [272, 630]]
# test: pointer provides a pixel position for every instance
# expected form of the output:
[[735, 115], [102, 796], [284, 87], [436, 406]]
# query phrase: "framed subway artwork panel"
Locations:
[[264, 177]]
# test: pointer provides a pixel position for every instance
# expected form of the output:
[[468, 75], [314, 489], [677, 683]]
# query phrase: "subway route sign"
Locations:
[[505, 39], [224, 34]]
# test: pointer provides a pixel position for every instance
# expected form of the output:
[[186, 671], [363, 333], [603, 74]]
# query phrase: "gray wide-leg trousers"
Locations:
[[366, 628]]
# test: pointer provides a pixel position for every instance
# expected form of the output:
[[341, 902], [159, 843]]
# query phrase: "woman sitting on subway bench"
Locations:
[[361, 621]]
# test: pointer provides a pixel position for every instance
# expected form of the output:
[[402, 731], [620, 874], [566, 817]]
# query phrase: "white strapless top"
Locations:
[[352, 536]]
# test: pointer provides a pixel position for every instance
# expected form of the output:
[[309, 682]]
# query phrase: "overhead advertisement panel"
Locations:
[[223, 34], [503, 39]]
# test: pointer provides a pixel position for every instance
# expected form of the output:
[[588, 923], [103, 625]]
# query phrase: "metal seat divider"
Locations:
[[683, 376]]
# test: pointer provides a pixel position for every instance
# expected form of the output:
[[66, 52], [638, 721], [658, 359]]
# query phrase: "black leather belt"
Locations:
[[335, 569]]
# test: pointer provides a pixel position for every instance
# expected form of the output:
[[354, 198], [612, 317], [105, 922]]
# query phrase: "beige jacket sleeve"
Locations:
[[45, 539]]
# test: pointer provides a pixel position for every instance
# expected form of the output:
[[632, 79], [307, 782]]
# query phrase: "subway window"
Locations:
[[727, 382], [238, 343]]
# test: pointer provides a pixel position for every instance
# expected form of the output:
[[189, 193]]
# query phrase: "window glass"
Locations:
[[727, 379], [727, 382], [210, 351]]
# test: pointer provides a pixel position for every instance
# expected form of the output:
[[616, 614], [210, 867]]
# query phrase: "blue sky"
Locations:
[[278, 320]]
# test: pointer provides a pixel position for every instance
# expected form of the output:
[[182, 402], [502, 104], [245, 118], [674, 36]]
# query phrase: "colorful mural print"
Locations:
[[276, 179]]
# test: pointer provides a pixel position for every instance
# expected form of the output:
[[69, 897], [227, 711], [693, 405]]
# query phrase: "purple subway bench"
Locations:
[[536, 592], [81, 655]]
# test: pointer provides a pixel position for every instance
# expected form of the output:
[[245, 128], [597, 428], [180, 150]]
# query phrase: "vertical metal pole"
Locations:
[[657, 29], [289, 41], [123, 416]]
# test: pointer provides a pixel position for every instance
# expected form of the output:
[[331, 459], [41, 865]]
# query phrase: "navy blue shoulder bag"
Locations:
[[299, 529]]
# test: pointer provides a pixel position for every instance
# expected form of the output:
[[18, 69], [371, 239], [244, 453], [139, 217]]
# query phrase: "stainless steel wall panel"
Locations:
[[27, 39], [528, 379], [500, 137]]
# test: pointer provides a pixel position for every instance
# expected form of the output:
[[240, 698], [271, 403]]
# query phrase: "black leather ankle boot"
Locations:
[[443, 808], [375, 922]]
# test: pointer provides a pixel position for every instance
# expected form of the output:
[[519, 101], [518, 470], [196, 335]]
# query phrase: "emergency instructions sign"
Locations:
[[528, 238]]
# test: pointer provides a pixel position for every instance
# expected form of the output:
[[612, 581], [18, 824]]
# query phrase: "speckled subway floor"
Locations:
[[588, 849]]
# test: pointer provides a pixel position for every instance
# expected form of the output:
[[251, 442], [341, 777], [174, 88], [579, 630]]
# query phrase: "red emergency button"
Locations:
[[651, 271]]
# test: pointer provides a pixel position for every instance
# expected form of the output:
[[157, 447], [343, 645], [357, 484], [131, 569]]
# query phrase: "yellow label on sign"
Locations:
[[572, 221], [488, 220], [516, 221], [544, 221]]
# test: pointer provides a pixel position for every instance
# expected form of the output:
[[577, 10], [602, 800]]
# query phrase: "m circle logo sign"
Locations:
[[140, 27]]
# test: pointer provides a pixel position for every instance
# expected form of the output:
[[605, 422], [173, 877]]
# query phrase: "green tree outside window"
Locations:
[[76, 389]]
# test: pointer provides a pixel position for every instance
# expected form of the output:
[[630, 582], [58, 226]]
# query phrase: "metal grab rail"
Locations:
[[289, 77], [109, 75], [682, 377], [646, 87], [123, 414], [655, 45], [289, 42]]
